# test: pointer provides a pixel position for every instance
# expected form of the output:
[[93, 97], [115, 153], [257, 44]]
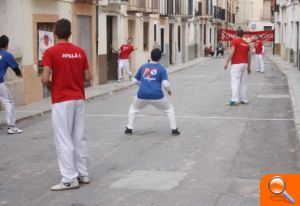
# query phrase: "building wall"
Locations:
[[21, 26], [287, 28], [254, 15]]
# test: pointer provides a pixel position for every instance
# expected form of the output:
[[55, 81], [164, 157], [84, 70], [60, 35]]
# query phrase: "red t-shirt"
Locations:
[[258, 47], [241, 53], [68, 63], [125, 51]]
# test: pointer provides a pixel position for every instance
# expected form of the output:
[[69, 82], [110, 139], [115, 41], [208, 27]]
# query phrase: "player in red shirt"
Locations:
[[65, 70], [123, 62], [259, 50], [240, 68]]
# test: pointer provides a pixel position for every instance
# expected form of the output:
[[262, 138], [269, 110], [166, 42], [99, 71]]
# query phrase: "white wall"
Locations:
[[10, 17]]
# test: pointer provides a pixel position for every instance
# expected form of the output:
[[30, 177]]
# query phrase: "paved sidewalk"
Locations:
[[40, 108], [293, 76]]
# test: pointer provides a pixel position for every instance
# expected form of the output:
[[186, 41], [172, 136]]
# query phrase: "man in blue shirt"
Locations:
[[7, 60], [152, 77]]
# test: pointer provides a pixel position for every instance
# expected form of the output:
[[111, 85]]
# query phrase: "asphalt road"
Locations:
[[217, 161]]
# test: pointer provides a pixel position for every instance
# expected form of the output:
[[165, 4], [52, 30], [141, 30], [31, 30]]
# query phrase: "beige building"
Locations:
[[22, 20], [181, 29], [254, 15]]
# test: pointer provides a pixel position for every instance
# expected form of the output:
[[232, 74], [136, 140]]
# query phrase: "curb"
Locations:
[[171, 70], [292, 95]]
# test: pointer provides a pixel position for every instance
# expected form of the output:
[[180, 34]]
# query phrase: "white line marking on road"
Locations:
[[192, 117], [251, 84], [274, 96], [197, 76]]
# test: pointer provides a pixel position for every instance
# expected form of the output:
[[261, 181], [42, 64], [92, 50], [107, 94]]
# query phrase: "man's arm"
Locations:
[[231, 53], [17, 71], [14, 65], [166, 85], [249, 62], [87, 75], [46, 77]]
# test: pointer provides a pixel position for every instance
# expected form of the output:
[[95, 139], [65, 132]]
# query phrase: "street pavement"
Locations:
[[217, 161]]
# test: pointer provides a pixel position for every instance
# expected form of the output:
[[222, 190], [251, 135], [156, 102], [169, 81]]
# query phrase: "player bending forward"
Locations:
[[151, 77]]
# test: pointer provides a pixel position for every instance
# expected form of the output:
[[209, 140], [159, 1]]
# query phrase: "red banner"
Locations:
[[229, 35]]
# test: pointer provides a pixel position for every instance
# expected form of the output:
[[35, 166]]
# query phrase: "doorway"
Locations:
[[171, 32], [112, 57], [84, 36]]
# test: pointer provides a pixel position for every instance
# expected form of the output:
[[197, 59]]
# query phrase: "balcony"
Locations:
[[143, 6], [117, 1]]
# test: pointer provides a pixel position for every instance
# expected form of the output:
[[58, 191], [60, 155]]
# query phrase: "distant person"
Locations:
[[259, 50], [65, 70], [240, 58], [8, 60], [151, 77], [123, 62], [210, 51], [206, 53], [220, 50]]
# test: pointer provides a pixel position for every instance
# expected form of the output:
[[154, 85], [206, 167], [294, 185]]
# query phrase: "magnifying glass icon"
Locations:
[[277, 186]]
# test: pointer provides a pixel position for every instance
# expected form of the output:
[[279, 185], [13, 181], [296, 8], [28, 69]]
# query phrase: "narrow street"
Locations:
[[217, 161]]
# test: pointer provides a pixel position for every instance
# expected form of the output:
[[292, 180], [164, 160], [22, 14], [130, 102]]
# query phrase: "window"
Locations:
[[155, 33], [146, 36], [207, 7], [162, 40], [179, 39], [190, 7], [210, 35], [170, 6], [204, 33], [268, 28]]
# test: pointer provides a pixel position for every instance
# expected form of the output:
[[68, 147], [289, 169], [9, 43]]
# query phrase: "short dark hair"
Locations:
[[240, 32], [4, 40], [156, 55], [63, 29]]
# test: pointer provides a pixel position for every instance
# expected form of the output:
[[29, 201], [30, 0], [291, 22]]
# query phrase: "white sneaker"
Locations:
[[14, 130], [84, 180], [119, 80], [65, 186]]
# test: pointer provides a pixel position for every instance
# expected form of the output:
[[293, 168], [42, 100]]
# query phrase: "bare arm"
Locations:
[[46, 77], [231, 53], [87, 75], [166, 85], [249, 62]]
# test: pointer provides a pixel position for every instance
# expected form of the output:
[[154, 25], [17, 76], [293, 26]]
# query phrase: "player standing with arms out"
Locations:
[[151, 77], [240, 58], [68, 66], [8, 60], [259, 50], [123, 61]]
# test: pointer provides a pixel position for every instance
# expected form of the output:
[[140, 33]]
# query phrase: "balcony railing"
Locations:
[[143, 6], [117, 1]]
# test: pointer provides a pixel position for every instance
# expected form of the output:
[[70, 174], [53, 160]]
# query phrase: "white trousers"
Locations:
[[123, 63], [71, 143], [239, 76], [260, 63], [161, 104], [8, 103]]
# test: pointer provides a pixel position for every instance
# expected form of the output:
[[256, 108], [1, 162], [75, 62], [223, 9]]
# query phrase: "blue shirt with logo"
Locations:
[[6, 60], [151, 76]]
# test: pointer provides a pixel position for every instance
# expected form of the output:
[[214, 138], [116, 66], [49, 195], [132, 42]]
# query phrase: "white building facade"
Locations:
[[287, 30]]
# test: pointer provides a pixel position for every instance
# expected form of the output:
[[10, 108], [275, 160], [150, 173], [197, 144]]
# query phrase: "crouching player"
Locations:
[[152, 77]]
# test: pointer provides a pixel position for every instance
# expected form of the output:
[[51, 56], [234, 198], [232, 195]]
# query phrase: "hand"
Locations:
[[225, 66], [249, 71], [169, 93]]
